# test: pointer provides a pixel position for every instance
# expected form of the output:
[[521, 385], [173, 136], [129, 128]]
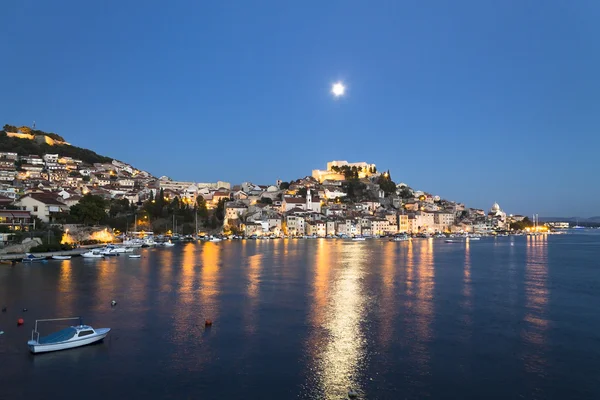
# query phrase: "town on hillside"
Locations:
[[343, 200]]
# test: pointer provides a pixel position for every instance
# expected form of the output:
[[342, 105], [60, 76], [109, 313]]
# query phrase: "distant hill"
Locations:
[[40, 143]]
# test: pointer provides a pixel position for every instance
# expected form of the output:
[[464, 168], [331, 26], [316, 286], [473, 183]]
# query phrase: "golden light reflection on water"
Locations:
[[104, 282], [536, 301], [187, 279], [467, 291], [65, 288], [165, 271], [410, 266], [323, 268], [209, 278], [341, 355], [419, 304], [389, 306], [254, 273], [426, 275]]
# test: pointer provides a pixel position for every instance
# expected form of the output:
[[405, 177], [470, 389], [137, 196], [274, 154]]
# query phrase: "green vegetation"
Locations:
[[521, 225], [386, 183], [356, 190], [349, 172], [90, 210], [42, 248], [160, 214], [27, 147], [406, 193], [284, 185]]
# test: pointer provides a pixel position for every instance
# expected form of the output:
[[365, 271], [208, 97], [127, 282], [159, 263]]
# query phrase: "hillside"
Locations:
[[27, 147]]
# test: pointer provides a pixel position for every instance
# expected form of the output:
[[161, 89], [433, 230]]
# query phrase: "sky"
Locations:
[[476, 101]]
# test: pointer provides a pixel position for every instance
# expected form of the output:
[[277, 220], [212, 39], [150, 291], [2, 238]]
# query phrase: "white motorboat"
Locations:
[[168, 244], [133, 243], [215, 239], [73, 336], [356, 239], [92, 254], [111, 250], [61, 257], [399, 239], [135, 256], [474, 238]]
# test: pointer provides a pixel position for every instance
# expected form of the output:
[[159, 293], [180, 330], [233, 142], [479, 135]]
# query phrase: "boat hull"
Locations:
[[36, 348]]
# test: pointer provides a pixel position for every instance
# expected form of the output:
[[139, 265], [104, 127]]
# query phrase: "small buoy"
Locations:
[[113, 303], [20, 321], [352, 394], [4, 309], [24, 309], [1, 332], [208, 322]]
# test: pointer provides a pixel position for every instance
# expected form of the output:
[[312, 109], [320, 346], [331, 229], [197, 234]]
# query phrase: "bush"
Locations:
[[43, 248], [90, 241]]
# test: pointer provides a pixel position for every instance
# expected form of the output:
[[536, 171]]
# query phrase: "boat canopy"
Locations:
[[59, 336]]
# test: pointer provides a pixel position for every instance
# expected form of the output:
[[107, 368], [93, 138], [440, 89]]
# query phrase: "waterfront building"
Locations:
[[45, 206]]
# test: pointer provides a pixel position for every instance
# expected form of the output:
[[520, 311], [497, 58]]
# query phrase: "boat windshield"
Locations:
[[59, 336]]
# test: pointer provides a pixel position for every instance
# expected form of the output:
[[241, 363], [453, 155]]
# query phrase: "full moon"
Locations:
[[338, 89]]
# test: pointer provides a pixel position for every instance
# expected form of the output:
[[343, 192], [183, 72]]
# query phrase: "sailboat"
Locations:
[[577, 225]]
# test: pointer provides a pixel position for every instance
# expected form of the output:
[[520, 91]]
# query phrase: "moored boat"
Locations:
[[31, 258], [92, 254], [61, 257], [399, 238], [73, 336], [135, 256]]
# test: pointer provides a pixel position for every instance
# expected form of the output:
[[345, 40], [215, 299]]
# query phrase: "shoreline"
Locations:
[[74, 252]]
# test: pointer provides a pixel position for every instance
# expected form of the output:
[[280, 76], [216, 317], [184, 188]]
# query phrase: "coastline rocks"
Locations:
[[24, 247]]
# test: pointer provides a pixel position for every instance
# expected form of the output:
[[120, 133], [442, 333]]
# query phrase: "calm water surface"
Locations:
[[500, 318]]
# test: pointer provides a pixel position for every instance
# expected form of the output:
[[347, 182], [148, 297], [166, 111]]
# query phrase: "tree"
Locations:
[[220, 210], [25, 129], [91, 209], [406, 193], [284, 185], [201, 209], [386, 183], [265, 200], [521, 225], [302, 192], [10, 128], [118, 207]]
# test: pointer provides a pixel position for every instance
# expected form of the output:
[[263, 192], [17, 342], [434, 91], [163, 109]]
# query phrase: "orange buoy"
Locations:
[[20, 321], [208, 322]]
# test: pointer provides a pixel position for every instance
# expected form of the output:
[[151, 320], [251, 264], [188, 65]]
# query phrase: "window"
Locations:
[[35, 208], [85, 333]]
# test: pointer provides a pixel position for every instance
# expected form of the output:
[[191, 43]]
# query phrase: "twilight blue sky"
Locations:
[[477, 101]]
